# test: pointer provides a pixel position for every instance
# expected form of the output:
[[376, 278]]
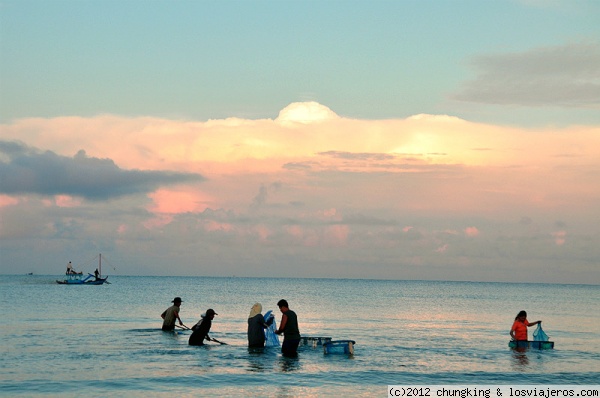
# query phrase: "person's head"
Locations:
[[210, 313], [522, 315], [255, 310], [283, 305], [177, 301]]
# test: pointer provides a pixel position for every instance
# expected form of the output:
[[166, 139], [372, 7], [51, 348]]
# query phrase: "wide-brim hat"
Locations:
[[177, 300]]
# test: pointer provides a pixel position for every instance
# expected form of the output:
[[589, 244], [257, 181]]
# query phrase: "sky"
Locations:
[[428, 140]]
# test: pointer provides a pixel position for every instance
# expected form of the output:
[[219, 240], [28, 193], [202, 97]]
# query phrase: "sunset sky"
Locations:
[[443, 140]]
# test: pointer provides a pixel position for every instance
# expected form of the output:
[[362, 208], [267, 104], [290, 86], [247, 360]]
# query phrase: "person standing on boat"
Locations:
[[201, 329], [519, 328], [289, 327], [171, 314], [256, 326], [70, 269], [96, 273]]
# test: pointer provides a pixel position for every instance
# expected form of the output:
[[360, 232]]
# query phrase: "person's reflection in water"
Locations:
[[520, 359], [256, 359], [289, 364]]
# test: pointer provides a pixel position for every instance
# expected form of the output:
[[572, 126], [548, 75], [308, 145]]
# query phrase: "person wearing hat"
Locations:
[[171, 314], [201, 329]]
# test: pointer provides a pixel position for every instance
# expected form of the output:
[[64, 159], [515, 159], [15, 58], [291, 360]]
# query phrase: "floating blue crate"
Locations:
[[536, 345], [339, 347]]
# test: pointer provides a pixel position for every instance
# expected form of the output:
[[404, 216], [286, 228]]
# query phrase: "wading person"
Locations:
[[257, 326], [289, 327], [201, 329], [518, 331], [170, 315]]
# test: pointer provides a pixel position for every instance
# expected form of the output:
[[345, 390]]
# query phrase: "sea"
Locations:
[[106, 341]]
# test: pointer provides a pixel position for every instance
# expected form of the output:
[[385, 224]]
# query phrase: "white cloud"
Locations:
[[305, 113], [425, 197]]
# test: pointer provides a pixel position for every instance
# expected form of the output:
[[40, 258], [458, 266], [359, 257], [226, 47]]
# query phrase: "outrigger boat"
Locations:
[[90, 279]]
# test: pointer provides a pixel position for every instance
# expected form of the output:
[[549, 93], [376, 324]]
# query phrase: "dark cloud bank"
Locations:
[[27, 170], [565, 76]]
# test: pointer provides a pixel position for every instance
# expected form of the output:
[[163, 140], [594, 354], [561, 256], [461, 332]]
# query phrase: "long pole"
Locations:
[[100, 264]]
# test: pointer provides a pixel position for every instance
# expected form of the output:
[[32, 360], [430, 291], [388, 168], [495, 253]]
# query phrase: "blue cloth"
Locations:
[[271, 339]]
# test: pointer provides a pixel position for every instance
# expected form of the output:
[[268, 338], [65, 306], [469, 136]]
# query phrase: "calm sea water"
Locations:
[[106, 340]]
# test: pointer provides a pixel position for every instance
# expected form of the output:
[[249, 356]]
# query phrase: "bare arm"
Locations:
[[282, 324]]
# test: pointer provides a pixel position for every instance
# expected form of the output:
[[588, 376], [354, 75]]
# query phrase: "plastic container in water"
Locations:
[[537, 345], [314, 341], [339, 347]]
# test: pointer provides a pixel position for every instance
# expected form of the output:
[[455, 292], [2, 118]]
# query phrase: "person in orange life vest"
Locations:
[[519, 327]]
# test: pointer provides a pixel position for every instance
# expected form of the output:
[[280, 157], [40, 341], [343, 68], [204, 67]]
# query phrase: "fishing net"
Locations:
[[539, 334]]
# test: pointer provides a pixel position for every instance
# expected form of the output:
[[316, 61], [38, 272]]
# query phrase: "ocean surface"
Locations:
[[99, 341]]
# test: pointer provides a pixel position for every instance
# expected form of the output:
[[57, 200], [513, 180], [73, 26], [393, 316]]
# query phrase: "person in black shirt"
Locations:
[[201, 329], [289, 327]]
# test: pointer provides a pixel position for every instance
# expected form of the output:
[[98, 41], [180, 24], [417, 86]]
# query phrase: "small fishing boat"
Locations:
[[73, 278]]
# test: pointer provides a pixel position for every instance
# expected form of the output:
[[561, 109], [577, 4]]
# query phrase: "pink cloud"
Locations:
[[303, 236], [442, 248], [295, 231], [147, 142], [330, 214], [337, 235], [471, 231], [6, 200], [212, 226], [263, 232], [459, 163], [328, 236], [167, 201], [158, 221], [67, 201], [560, 237]]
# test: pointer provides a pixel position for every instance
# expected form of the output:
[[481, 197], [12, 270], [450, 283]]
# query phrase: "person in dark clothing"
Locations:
[[201, 329], [289, 327], [256, 326]]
